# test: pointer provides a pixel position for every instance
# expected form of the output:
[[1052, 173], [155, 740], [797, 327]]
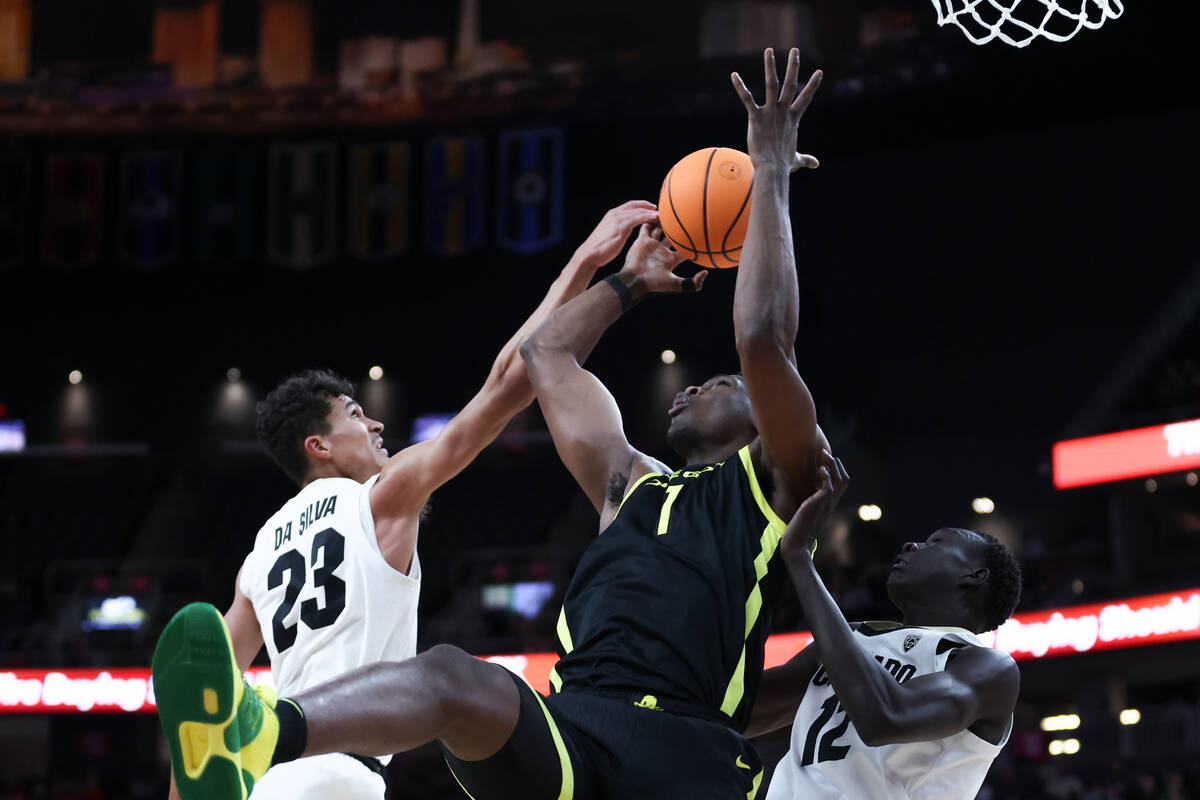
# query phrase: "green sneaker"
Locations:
[[222, 732]]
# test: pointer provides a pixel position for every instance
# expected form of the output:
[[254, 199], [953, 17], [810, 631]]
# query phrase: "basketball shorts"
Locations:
[[579, 745], [319, 778]]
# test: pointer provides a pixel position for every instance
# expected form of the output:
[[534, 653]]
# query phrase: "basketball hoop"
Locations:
[[1019, 22]]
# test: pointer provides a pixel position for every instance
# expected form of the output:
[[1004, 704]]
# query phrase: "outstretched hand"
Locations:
[[810, 518], [771, 134], [651, 262], [605, 242]]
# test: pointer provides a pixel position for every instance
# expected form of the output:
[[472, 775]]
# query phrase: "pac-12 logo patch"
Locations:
[[910, 641]]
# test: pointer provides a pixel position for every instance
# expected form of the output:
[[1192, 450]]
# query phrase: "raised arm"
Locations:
[[412, 475], [780, 691], [977, 685], [583, 417], [766, 299]]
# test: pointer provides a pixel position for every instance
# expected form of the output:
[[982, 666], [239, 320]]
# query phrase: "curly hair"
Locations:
[[295, 410], [1003, 589]]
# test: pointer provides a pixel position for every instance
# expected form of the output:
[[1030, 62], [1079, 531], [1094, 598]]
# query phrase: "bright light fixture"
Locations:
[[375, 372], [233, 374], [1060, 722], [668, 356], [1071, 746], [1130, 716], [870, 513], [75, 376], [983, 505]]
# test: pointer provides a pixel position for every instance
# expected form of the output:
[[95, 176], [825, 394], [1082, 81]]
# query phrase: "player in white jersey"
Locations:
[[333, 580], [914, 710]]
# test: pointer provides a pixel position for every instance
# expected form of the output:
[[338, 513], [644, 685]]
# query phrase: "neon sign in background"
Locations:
[[1132, 622], [1128, 454]]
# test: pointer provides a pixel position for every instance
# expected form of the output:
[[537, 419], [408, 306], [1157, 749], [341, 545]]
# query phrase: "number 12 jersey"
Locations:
[[827, 759], [325, 598]]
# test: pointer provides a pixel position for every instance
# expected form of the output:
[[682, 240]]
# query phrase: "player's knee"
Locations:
[[453, 674], [466, 687]]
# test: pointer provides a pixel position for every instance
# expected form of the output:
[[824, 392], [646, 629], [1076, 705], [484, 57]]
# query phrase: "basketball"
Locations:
[[704, 205]]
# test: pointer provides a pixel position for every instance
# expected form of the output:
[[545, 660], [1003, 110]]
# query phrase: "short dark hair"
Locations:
[[1003, 589], [295, 410]]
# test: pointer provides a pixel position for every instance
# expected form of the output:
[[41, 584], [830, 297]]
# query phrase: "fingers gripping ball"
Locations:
[[704, 205]]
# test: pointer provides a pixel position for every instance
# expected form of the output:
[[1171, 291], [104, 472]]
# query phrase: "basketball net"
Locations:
[[1019, 22]]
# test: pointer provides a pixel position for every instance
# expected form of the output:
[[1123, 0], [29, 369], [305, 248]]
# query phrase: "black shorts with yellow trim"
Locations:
[[582, 745]]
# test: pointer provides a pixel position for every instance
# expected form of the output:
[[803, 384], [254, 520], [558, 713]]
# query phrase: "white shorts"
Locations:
[[320, 778]]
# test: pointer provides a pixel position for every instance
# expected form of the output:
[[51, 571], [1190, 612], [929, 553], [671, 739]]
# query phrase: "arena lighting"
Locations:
[[1055, 747], [233, 374], [12, 435], [375, 373], [1192, 479], [74, 377], [1060, 722], [668, 356], [1151, 485], [1131, 622], [1130, 716], [870, 513], [983, 505], [1070, 746], [1128, 454]]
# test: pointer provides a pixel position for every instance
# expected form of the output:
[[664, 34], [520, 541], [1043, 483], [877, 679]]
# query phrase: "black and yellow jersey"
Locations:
[[674, 599]]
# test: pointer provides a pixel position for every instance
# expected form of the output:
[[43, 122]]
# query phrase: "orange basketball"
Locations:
[[704, 205]]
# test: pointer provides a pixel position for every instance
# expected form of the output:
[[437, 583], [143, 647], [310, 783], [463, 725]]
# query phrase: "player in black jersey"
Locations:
[[664, 623]]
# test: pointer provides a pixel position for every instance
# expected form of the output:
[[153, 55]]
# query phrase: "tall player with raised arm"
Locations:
[[333, 580], [665, 621]]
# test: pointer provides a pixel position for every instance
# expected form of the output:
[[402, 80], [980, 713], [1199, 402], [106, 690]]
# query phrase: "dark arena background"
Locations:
[[997, 255]]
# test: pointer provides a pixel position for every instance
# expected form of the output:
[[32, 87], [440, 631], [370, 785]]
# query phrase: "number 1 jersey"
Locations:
[[325, 598], [674, 599], [827, 759]]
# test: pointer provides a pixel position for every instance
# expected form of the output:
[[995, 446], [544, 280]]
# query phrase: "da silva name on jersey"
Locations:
[[312, 513]]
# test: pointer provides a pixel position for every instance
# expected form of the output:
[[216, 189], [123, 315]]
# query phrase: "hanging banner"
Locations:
[[454, 221], [72, 209], [302, 204], [529, 189], [377, 201], [224, 193], [14, 202], [149, 230]]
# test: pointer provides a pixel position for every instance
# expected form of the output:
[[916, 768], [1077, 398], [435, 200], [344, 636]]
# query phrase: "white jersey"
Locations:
[[325, 598], [827, 759]]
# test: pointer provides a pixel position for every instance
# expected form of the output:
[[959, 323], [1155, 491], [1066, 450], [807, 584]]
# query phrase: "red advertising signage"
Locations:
[[1133, 622], [1128, 454]]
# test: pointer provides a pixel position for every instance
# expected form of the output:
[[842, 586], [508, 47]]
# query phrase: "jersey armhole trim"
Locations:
[[633, 487], [773, 519], [367, 515]]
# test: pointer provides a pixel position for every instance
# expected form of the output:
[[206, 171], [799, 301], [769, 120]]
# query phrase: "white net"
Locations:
[[1019, 22]]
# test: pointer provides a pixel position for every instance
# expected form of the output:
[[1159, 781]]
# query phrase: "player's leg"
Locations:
[[547, 757], [467, 704], [223, 735]]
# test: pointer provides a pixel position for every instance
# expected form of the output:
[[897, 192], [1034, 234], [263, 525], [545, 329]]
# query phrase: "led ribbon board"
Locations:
[[1132, 622], [1128, 454]]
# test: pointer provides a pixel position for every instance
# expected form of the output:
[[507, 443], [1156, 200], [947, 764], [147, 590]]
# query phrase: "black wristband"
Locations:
[[618, 286]]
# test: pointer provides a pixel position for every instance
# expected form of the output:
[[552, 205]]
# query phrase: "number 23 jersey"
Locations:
[[325, 598], [827, 759]]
